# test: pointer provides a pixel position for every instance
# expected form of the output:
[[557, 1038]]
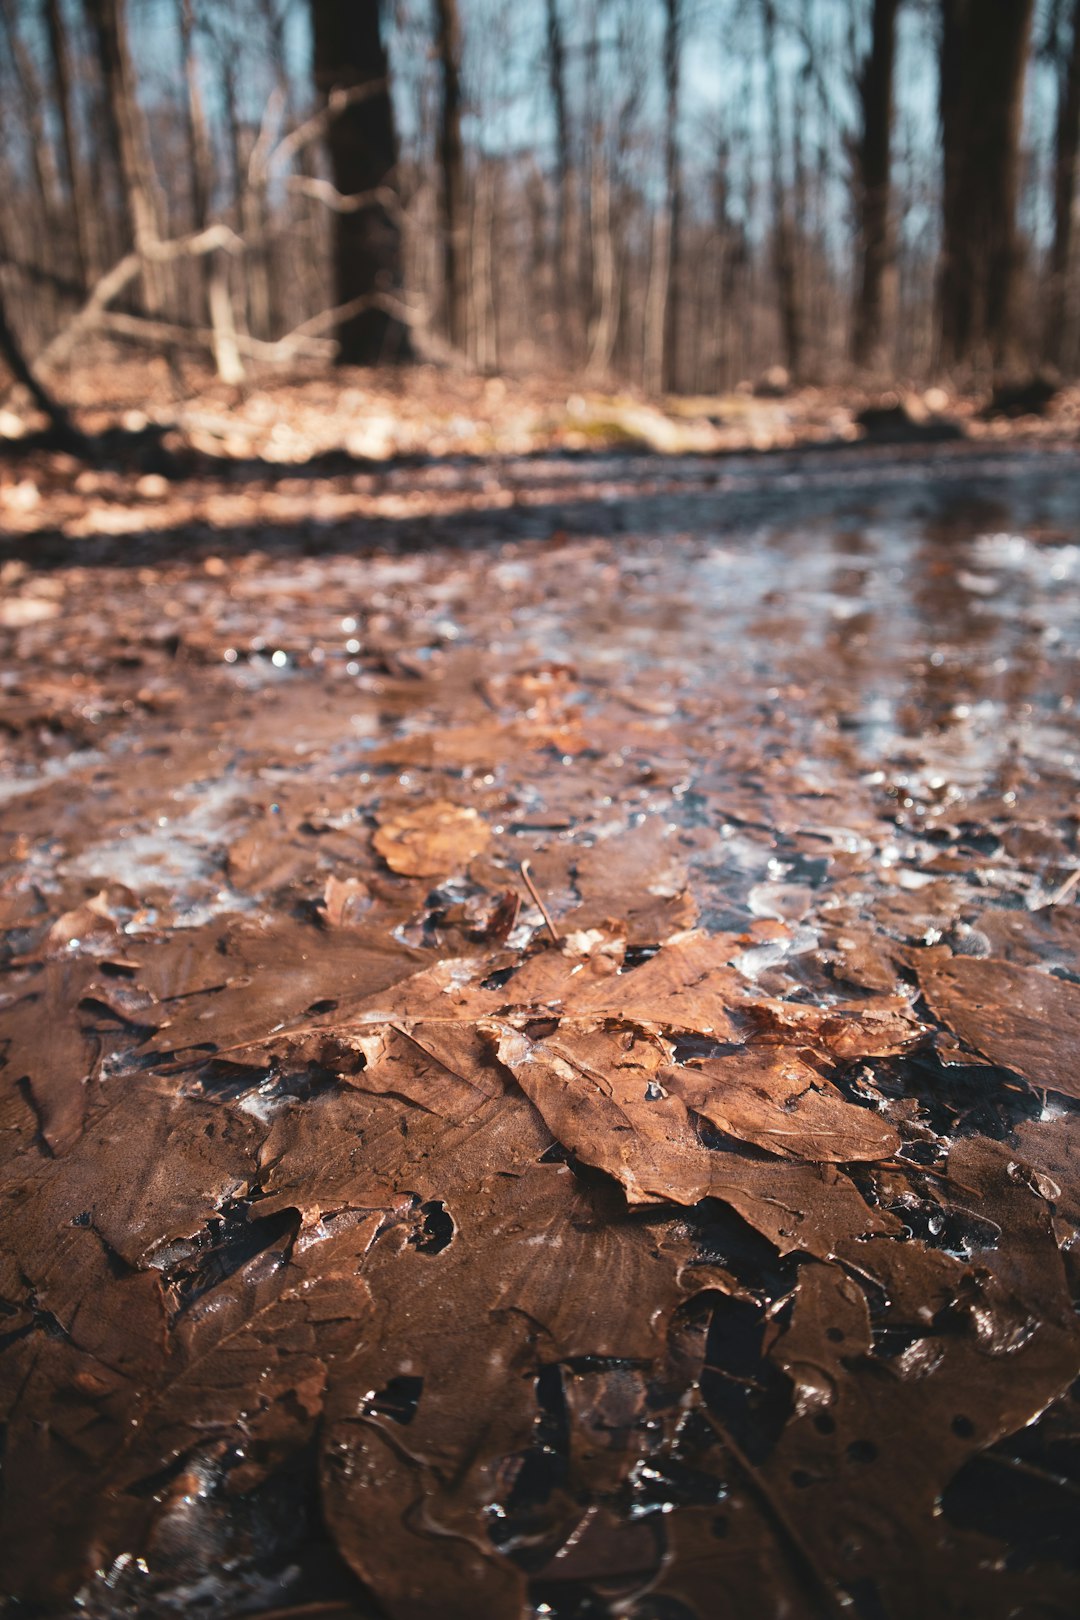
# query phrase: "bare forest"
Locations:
[[671, 195]]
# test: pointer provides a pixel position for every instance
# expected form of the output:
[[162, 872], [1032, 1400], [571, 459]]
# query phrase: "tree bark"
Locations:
[[60, 65], [984, 53], [783, 231], [109, 21], [673, 183], [41, 153], [362, 145], [556, 67], [1066, 150], [214, 272], [66, 434], [873, 178], [452, 197]]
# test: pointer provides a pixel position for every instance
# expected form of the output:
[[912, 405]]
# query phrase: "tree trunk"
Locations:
[[1066, 148], [60, 66], [41, 153], [362, 145], [783, 230], [983, 59], [66, 434], [453, 202], [213, 267], [109, 21], [673, 182], [873, 173], [556, 65], [603, 329]]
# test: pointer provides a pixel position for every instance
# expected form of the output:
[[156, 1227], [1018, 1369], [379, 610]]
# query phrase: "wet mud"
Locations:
[[540, 1030]]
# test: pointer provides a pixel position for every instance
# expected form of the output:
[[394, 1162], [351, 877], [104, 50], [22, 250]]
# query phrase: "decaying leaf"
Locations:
[[431, 840], [770, 1097], [369, 1245], [1020, 1017]]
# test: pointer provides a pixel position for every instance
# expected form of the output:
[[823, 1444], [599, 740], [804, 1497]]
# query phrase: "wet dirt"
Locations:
[[540, 1028]]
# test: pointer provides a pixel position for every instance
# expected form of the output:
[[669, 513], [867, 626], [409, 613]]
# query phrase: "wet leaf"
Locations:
[[1020, 1017], [431, 840]]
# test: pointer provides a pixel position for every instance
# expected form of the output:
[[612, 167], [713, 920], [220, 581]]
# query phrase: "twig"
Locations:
[[327, 319], [1064, 891], [818, 1588], [313, 128], [140, 329], [322, 191], [526, 875]]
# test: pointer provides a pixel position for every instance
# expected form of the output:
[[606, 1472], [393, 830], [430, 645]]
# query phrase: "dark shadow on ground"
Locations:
[[609, 495]]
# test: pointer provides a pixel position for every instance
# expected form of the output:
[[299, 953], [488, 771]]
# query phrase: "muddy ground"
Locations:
[[541, 1019]]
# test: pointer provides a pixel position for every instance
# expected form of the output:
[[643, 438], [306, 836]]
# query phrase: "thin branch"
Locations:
[[324, 192], [527, 879], [327, 319], [141, 329], [313, 128], [259, 160]]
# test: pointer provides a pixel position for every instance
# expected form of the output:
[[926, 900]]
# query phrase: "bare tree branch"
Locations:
[[141, 329], [327, 319], [121, 275], [312, 129], [324, 192]]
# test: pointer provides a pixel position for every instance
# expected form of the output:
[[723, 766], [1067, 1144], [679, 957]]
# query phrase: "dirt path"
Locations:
[[542, 1018]]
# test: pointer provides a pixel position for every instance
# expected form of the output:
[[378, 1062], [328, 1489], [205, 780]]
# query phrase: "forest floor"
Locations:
[[540, 1015]]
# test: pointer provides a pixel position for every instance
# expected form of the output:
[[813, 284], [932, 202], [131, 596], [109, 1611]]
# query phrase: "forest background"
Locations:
[[672, 195]]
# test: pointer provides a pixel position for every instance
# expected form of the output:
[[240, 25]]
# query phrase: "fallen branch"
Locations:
[[123, 273], [142, 329]]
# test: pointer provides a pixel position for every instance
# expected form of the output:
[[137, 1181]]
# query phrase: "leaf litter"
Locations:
[[550, 1096]]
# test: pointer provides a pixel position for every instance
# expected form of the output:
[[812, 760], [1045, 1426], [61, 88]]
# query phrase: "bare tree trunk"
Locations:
[[11, 352], [556, 66], [61, 79], [485, 330], [783, 231], [1058, 333], [41, 154], [362, 142], [873, 174], [673, 183], [262, 275], [452, 170], [656, 294], [605, 271], [230, 367], [109, 20], [983, 60]]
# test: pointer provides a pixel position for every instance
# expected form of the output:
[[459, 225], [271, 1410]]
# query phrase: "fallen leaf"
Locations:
[[431, 840], [1020, 1017]]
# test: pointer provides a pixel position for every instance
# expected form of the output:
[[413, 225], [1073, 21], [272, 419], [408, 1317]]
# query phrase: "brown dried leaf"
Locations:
[[431, 840], [770, 1097], [877, 1027], [597, 1092], [1020, 1017]]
